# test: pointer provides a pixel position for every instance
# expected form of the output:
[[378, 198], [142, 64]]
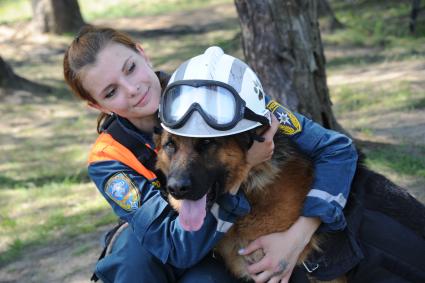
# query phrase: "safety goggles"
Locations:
[[218, 103]]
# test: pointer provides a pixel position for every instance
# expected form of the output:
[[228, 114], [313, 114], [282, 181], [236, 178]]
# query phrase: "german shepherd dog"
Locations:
[[199, 168]]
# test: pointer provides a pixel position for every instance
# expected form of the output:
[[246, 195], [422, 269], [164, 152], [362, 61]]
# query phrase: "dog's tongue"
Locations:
[[192, 213]]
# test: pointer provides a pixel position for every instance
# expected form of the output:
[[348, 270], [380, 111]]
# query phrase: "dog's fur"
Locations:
[[276, 189]]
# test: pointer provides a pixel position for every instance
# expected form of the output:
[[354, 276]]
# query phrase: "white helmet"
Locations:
[[213, 95]]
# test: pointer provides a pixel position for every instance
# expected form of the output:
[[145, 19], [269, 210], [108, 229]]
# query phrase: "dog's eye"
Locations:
[[170, 146], [204, 144]]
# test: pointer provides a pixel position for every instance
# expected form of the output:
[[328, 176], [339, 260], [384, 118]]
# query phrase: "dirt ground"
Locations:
[[73, 261], [69, 261]]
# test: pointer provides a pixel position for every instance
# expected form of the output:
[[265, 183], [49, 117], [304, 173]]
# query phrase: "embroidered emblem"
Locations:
[[289, 124], [156, 184], [122, 190]]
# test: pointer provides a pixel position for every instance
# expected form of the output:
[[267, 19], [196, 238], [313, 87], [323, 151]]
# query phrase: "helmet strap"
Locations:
[[251, 115], [253, 136], [256, 137]]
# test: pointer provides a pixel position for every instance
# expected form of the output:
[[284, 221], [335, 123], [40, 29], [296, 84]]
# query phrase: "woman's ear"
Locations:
[[140, 48], [97, 107], [143, 53]]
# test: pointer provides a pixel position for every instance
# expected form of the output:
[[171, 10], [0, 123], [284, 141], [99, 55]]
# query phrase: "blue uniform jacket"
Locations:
[[156, 224], [335, 159]]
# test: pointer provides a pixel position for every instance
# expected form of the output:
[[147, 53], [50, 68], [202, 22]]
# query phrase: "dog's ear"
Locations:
[[157, 132], [244, 140]]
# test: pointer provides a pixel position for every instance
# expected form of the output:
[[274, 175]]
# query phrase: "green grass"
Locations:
[[57, 211], [20, 10], [401, 159], [381, 26], [133, 8], [375, 36], [378, 56], [374, 23], [14, 10], [359, 106], [370, 97], [50, 147]]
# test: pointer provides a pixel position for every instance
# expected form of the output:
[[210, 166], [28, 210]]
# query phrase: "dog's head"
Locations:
[[199, 170]]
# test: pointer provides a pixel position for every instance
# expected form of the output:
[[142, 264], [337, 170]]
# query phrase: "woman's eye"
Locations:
[[132, 67], [110, 93]]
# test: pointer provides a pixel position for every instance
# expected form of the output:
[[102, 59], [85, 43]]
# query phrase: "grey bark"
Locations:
[[7, 76], [416, 6], [10, 80], [324, 9], [281, 42], [57, 16]]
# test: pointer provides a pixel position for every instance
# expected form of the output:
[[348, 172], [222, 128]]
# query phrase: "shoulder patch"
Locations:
[[289, 124], [122, 191]]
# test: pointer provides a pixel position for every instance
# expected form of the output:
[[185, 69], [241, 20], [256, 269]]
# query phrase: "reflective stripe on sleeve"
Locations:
[[222, 226], [340, 199]]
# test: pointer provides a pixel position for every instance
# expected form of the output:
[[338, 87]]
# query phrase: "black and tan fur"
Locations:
[[275, 189]]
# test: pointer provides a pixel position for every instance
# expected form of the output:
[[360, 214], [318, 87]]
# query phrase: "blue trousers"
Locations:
[[129, 262]]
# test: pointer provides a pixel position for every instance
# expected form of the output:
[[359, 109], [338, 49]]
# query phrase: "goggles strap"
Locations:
[[251, 115], [256, 137]]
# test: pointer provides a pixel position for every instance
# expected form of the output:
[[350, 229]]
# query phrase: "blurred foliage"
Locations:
[[20, 10], [375, 23], [12, 11], [395, 96], [105, 9]]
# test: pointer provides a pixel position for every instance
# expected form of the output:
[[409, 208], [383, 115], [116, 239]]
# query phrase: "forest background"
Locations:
[[51, 215]]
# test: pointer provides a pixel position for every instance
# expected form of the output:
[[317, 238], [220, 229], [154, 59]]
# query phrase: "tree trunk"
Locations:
[[416, 6], [7, 76], [324, 9], [10, 80], [56, 16], [281, 42]]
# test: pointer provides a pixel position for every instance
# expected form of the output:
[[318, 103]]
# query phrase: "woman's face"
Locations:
[[122, 81]]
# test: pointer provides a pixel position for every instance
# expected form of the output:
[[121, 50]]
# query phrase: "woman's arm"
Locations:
[[155, 223], [335, 159], [281, 250]]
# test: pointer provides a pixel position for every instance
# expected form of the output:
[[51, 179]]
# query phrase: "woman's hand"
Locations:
[[263, 151], [281, 251]]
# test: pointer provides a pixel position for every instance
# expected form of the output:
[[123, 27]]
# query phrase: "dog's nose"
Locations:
[[179, 186]]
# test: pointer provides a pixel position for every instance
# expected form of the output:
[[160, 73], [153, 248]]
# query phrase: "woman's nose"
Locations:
[[130, 88]]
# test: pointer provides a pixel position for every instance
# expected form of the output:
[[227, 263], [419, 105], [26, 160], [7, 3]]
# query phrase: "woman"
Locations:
[[112, 73]]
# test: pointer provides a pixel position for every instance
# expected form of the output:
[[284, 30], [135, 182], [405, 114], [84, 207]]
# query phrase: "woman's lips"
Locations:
[[144, 100]]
